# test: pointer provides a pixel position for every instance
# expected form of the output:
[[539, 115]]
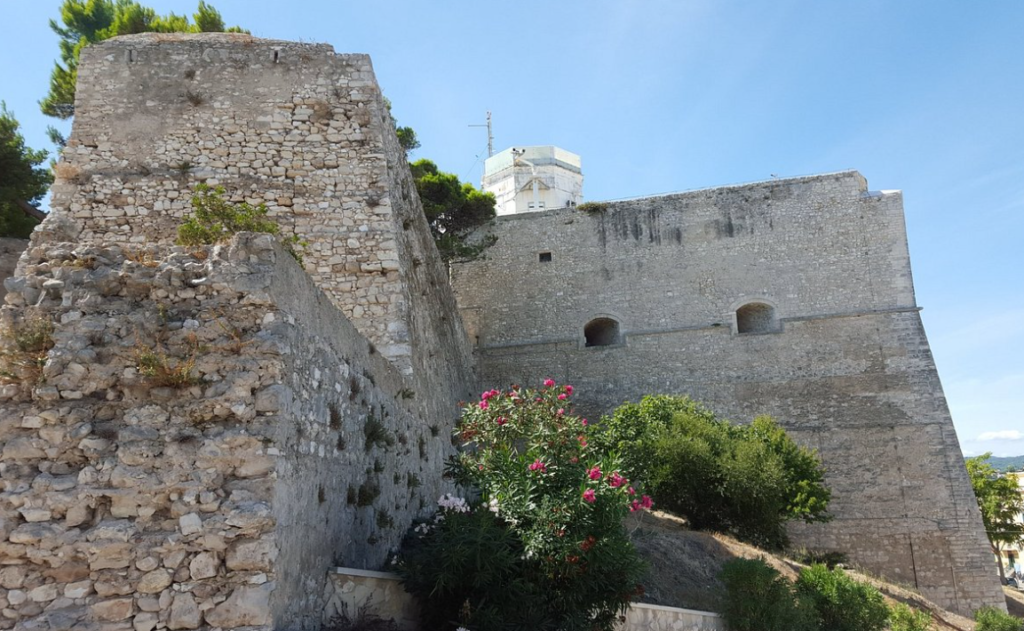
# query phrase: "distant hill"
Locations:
[[1008, 463]]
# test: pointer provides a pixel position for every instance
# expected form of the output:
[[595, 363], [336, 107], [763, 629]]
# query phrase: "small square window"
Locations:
[[545, 257]]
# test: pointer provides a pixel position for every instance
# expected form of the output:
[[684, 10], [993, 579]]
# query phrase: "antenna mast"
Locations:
[[490, 135]]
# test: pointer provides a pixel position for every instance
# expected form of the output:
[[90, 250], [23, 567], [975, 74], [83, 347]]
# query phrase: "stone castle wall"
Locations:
[[845, 366], [291, 125], [316, 415], [10, 250]]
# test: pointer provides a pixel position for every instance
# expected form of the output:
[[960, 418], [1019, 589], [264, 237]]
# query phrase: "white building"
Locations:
[[527, 179]]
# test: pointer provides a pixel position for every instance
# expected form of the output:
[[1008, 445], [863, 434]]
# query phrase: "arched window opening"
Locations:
[[601, 332], [756, 317]]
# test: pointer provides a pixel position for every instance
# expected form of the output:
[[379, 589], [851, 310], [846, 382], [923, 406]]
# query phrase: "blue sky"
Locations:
[[666, 95]]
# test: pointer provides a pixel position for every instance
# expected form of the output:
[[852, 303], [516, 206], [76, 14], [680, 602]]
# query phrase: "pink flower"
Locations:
[[631, 491], [538, 466], [548, 383], [615, 480], [582, 440], [561, 397], [561, 411], [634, 507], [494, 393], [594, 473], [483, 404], [589, 496], [574, 460], [486, 395], [584, 422], [646, 502], [501, 420], [568, 389]]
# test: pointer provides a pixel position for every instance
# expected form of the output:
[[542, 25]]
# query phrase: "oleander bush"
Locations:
[[544, 545]]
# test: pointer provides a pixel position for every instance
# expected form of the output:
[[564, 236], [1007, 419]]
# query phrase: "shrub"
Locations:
[[991, 619], [24, 348], [743, 480], [841, 603], [545, 548], [215, 219], [904, 618], [758, 598]]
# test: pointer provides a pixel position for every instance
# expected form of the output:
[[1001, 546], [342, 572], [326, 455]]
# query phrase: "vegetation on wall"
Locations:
[[745, 480], [22, 181], [214, 219], [84, 22], [544, 547], [1000, 501]]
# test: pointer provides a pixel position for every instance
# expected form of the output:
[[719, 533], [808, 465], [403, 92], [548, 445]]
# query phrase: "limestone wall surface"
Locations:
[[291, 125], [191, 437], [845, 367], [135, 497], [10, 250]]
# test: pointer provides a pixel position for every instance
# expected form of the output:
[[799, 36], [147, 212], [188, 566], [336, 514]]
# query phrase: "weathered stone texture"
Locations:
[[210, 433], [10, 250], [293, 126], [847, 368]]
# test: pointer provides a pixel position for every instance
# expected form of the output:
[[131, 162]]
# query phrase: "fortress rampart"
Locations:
[[790, 297], [214, 428]]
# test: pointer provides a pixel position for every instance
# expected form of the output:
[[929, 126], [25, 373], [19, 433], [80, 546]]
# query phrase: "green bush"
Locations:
[[843, 604], [990, 619], [545, 548], [904, 618], [758, 598], [215, 220], [743, 480]]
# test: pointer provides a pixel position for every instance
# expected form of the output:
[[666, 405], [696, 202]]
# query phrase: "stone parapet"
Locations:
[[208, 434]]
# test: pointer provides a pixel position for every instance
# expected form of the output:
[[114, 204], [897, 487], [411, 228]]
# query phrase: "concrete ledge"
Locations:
[[381, 594]]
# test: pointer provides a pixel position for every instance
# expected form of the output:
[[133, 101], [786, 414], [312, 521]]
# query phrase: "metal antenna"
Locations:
[[490, 135]]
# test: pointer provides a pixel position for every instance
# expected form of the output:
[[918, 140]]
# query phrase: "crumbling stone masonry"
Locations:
[[792, 298], [212, 429]]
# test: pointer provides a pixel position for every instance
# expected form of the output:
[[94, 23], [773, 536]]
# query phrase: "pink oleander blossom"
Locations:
[[584, 422], [615, 480], [483, 404], [646, 502], [631, 491], [589, 496], [582, 440], [594, 473], [537, 465], [568, 389], [549, 383], [562, 397], [501, 420], [561, 411]]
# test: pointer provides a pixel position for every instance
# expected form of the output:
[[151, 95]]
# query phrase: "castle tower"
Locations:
[[527, 179], [792, 298]]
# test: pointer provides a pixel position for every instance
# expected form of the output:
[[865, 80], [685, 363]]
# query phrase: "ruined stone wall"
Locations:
[[294, 126], [205, 431], [845, 367], [132, 495], [10, 250]]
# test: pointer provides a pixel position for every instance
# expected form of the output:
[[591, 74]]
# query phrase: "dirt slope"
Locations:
[[684, 565]]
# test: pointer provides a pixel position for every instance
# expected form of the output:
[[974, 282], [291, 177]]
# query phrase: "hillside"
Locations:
[[1007, 463], [684, 565]]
